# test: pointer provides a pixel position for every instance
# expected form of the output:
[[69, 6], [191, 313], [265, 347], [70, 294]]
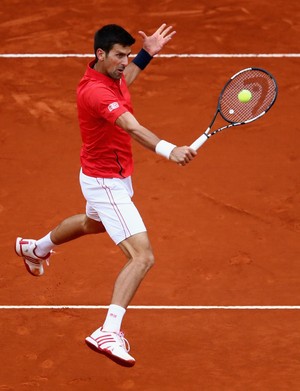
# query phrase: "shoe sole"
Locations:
[[117, 360], [19, 253]]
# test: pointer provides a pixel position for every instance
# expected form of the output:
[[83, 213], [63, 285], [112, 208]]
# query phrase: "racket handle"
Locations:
[[199, 142]]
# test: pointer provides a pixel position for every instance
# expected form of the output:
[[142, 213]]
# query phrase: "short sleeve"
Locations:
[[105, 104]]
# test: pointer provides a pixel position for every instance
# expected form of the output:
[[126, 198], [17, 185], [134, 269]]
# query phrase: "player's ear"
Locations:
[[100, 54]]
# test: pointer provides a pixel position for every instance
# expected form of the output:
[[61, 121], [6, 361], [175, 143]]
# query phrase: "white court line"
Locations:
[[152, 307], [195, 55]]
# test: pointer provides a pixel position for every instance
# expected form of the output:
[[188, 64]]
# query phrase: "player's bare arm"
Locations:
[[180, 155], [152, 45]]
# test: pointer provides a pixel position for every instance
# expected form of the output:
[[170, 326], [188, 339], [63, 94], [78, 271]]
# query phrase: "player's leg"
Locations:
[[74, 227], [108, 339], [36, 252], [126, 228], [140, 257]]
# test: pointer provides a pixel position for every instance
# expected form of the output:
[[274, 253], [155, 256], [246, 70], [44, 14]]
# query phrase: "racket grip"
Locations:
[[199, 142]]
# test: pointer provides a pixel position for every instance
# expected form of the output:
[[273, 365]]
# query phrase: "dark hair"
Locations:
[[109, 35]]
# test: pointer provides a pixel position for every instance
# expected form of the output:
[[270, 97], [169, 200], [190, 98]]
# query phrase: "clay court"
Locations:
[[220, 309]]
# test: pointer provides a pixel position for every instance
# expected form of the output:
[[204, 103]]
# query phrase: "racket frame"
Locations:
[[206, 135]]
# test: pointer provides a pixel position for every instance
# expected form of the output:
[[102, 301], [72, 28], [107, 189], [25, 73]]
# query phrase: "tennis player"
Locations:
[[107, 125]]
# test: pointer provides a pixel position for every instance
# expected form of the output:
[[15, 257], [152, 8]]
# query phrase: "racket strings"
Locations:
[[263, 91]]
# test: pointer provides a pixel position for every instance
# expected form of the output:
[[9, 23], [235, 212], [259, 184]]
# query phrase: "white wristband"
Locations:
[[164, 148]]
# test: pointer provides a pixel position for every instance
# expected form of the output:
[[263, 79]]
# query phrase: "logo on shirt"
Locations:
[[113, 106]]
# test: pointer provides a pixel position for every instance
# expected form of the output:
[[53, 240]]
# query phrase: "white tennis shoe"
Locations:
[[25, 248], [113, 345]]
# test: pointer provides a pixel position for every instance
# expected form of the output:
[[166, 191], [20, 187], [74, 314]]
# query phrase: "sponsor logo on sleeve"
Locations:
[[113, 106]]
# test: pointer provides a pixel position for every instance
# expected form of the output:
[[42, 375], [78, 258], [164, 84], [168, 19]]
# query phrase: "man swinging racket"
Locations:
[[107, 125]]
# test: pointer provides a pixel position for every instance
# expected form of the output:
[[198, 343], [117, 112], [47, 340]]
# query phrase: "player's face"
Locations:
[[116, 61]]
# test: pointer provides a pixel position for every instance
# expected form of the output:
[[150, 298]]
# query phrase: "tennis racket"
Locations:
[[261, 90]]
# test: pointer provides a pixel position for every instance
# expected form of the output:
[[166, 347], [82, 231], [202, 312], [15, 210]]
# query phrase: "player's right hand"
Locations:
[[182, 155]]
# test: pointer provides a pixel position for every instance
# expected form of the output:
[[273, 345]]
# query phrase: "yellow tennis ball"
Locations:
[[244, 96]]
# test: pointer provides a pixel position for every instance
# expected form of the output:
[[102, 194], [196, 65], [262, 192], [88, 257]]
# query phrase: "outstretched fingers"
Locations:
[[155, 42], [165, 33]]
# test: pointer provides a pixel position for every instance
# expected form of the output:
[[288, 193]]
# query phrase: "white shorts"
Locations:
[[109, 200]]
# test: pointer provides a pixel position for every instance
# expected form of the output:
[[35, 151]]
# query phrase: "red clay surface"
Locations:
[[225, 229]]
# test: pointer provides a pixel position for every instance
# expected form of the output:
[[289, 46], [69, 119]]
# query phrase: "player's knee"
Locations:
[[150, 261], [145, 260]]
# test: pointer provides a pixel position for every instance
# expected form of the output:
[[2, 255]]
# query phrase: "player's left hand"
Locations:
[[155, 42]]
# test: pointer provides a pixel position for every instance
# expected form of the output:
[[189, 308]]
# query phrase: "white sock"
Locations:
[[44, 246], [114, 318]]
